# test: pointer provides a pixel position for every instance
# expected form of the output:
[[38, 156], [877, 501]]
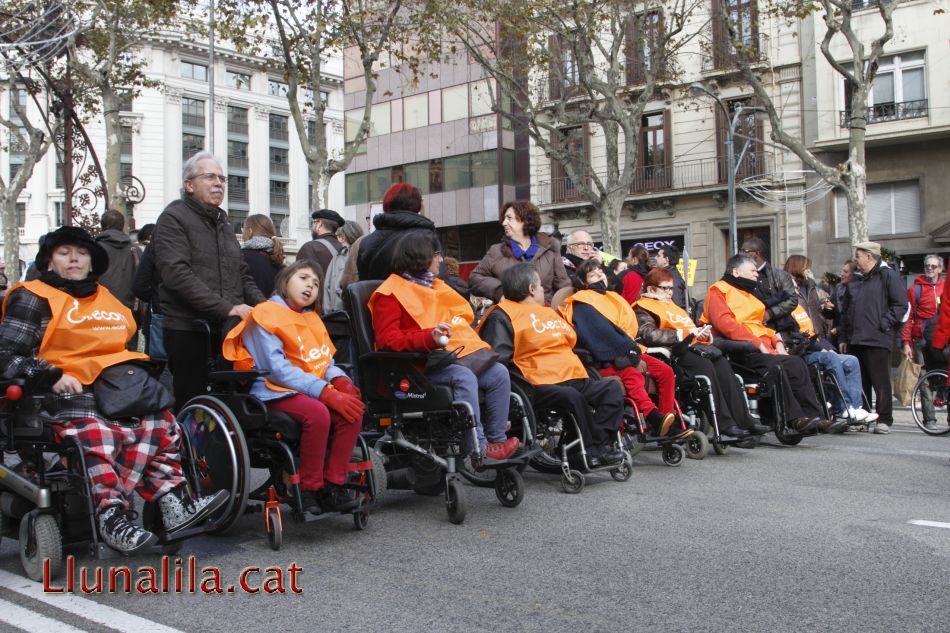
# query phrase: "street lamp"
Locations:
[[732, 166]]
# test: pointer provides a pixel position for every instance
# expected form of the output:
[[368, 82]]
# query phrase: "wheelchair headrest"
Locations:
[[356, 297]]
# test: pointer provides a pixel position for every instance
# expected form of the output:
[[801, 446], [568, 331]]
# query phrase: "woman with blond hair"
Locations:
[[262, 251]]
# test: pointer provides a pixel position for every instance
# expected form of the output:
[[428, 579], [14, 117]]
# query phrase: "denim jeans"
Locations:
[[496, 384], [848, 373]]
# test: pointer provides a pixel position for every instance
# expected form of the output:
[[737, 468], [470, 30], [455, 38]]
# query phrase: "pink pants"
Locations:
[[634, 383], [320, 461]]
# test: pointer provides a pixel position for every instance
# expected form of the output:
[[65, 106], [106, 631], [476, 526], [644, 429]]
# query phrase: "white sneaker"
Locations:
[[180, 511], [859, 415], [872, 417]]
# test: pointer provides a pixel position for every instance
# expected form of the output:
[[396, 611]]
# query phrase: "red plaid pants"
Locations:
[[121, 460]]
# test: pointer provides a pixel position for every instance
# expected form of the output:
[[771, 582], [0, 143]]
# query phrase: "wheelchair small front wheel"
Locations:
[[455, 503], [509, 487], [786, 437], [40, 540], [623, 472], [673, 454], [275, 530], [361, 520], [697, 445], [572, 482], [931, 386]]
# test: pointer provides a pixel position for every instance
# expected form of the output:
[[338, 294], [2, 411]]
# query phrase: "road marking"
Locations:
[[935, 524], [88, 609], [28, 621]]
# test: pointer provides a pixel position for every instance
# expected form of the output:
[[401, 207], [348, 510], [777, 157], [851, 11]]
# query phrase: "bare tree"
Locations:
[[850, 176], [588, 67], [306, 33], [108, 61]]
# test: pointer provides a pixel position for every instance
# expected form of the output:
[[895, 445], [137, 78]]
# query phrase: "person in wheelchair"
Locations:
[[737, 315], [605, 325], [414, 311], [285, 337], [662, 323], [806, 335], [534, 341], [60, 333]]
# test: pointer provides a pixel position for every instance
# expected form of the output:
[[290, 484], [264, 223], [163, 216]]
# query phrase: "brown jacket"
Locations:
[[485, 280]]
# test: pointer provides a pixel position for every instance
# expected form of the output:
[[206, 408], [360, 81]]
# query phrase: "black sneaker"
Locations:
[[336, 498], [310, 502], [117, 529]]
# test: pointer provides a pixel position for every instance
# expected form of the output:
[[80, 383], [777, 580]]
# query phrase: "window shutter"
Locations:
[[634, 51], [906, 207], [720, 36], [556, 68]]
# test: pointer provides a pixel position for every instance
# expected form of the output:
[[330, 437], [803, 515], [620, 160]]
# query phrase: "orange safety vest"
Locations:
[[306, 342], [800, 315], [611, 305], [544, 344], [85, 334], [746, 309], [430, 306], [670, 315]]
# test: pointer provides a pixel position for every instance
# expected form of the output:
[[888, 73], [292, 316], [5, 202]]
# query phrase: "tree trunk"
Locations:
[[113, 166], [320, 190], [856, 176], [11, 237], [610, 210]]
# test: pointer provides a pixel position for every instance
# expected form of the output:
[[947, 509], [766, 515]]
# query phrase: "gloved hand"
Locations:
[[350, 408], [345, 385]]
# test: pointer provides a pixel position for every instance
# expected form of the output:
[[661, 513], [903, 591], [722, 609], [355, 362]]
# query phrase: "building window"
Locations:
[[237, 155], [237, 120], [60, 177], [324, 96], [236, 80], [753, 163], [455, 103], [482, 96], [191, 70], [357, 191], [59, 213], [899, 90], [278, 128], [279, 196], [485, 168], [192, 113], [415, 111], [892, 209], [237, 189], [279, 161], [191, 144], [380, 120], [644, 35], [743, 14], [653, 172], [564, 186], [21, 215], [125, 138], [277, 88]]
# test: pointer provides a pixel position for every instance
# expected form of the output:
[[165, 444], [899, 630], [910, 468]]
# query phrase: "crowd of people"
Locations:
[[76, 318]]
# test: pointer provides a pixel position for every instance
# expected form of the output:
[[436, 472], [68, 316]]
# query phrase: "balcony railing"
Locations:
[[237, 162], [237, 127], [883, 112], [678, 177], [193, 120], [279, 168], [280, 200]]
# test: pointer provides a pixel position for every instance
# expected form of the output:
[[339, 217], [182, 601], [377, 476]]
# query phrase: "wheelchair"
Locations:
[[936, 381], [230, 432], [46, 501], [420, 430]]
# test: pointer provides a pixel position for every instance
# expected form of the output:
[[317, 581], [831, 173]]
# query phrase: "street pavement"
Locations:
[[816, 537]]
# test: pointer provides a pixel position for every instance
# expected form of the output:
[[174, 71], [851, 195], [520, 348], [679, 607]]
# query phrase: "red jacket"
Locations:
[[929, 301], [942, 330], [395, 329]]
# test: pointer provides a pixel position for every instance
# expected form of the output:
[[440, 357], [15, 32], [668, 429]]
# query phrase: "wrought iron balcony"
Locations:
[[883, 112]]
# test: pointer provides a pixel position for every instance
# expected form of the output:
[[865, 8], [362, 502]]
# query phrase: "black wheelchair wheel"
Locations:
[[623, 472], [786, 437], [673, 454], [455, 503], [219, 456], [934, 382], [40, 540], [697, 445], [573, 482], [361, 520], [719, 447], [275, 530], [509, 487]]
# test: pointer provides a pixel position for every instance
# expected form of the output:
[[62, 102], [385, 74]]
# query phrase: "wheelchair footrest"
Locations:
[[359, 466], [518, 459]]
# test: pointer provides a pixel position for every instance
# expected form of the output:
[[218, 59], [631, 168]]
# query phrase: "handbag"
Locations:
[[440, 359], [908, 372], [479, 361], [128, 390]]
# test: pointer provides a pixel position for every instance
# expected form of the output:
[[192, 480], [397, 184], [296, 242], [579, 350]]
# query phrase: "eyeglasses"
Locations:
[[749, 251], [670, 288], [212, 178], [931, 266], [583, 244]]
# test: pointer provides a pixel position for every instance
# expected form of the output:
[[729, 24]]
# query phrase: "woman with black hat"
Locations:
[[61, 333]]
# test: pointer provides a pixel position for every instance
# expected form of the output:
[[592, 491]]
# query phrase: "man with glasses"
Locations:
[[202, 274], [918, 332], [774, 288], [579, 247]]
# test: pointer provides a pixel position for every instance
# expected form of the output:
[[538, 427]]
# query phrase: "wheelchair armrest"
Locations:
[[220, 377], [659, 351], [586, 357], [734, 347], [412, 357]]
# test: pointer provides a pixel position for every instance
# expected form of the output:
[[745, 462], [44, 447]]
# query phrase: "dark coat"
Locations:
[[772, 281], [118, 278], [145, 284], [378, 249], [679, 288], [319, 250], [203, 274], [874, 307], [263, 269], [485, 280]]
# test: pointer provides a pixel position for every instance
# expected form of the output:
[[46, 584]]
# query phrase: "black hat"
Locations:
[[77, 237], [328, 214]]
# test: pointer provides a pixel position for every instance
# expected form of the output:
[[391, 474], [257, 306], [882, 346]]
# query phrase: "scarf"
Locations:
[[524, 254], [427, 279], [748, 285], [78, 288], [599, 287], [259, 243]]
